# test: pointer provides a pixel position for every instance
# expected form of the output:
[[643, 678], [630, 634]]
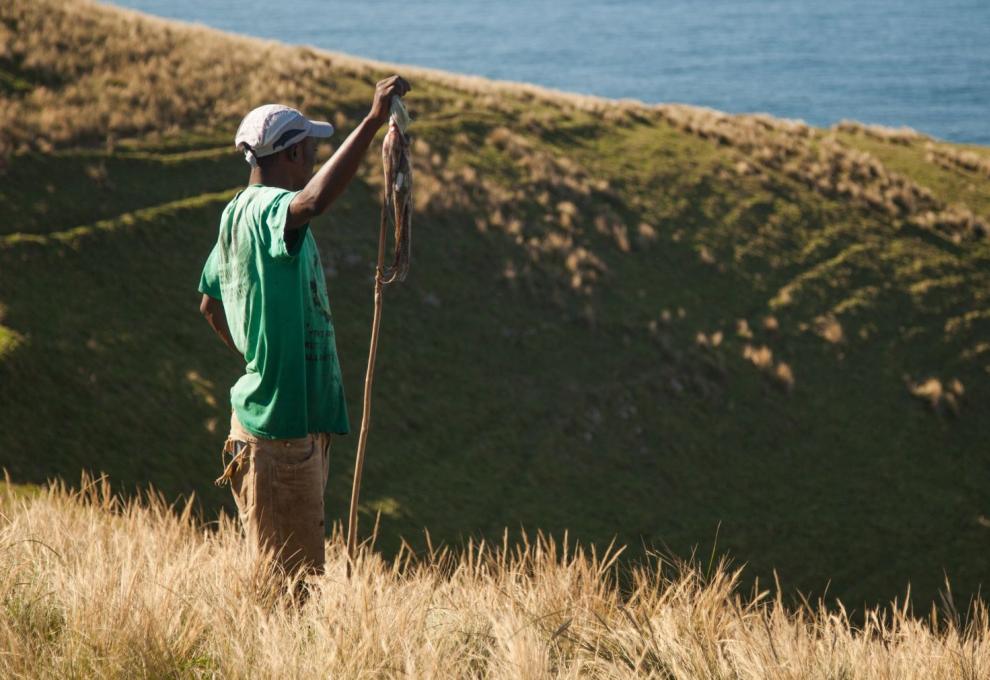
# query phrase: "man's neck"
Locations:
[[270, 178]]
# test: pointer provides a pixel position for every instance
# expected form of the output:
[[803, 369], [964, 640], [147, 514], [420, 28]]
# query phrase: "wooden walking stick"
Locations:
[[397, 210]]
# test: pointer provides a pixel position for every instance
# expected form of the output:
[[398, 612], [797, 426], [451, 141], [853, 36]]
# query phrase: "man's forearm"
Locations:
[[219, 325], [331, 179], [213, 311]]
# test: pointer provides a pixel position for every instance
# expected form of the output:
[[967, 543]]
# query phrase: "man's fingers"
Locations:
[[396, 90], [395, 84]]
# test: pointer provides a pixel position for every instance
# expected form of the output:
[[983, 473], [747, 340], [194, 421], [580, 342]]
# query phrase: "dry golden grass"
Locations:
[[955, 159], [93, 587], [823, 163], [941, 397], [902, 135], [779, 372]]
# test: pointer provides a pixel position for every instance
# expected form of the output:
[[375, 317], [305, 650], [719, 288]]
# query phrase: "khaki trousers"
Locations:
[[278, 485]]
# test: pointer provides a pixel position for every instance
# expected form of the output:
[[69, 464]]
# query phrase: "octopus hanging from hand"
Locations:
[[397, 208]]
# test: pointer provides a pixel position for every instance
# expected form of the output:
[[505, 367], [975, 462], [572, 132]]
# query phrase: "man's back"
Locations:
[[275, 301]]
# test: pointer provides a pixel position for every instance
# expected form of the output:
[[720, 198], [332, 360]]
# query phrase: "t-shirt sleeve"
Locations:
[[209, 280], [274, 219]]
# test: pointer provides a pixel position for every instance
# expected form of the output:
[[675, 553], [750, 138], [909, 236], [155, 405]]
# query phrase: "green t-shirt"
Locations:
[[275, 301]]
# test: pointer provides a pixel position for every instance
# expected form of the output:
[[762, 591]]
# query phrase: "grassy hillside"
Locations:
[[648, 323]]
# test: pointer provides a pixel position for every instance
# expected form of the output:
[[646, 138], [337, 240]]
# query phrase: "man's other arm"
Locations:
[[331, 179], [212, 309]]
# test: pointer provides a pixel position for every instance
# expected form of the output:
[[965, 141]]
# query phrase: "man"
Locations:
[[264, 294]]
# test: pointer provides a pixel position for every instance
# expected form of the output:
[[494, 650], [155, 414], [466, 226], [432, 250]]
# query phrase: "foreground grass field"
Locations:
[[91, 586], [654, 324]]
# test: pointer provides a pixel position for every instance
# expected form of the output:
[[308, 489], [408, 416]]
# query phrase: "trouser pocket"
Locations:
[[297, 486]]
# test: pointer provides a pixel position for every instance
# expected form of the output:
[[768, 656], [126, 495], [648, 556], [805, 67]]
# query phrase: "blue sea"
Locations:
[[919, 63]]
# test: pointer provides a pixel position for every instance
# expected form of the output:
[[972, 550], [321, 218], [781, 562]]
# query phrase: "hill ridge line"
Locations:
[[112, 224]]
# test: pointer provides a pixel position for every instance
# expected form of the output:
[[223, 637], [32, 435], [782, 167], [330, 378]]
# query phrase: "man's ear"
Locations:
[[297, 152]]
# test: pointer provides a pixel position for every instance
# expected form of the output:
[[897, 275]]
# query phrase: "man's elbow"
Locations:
[[315, 199], [304, 207]]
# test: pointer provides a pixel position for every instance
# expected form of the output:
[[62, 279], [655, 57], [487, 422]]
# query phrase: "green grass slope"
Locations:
[[648, 323]]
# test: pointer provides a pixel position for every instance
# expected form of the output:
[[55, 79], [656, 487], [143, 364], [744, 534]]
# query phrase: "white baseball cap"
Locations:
[[273, 127]]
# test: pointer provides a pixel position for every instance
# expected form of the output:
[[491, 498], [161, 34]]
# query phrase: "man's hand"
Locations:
[[384, 91], [330, 180]]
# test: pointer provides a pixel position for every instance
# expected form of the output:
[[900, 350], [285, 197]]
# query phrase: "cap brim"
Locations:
[[320, 129]]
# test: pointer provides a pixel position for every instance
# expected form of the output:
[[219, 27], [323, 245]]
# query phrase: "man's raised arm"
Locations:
[[329, 182]]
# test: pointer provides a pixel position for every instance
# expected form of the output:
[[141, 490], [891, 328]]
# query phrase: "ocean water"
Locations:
[[919, 63]]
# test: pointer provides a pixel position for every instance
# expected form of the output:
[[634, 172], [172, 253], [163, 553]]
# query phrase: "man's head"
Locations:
[[281, 142]]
